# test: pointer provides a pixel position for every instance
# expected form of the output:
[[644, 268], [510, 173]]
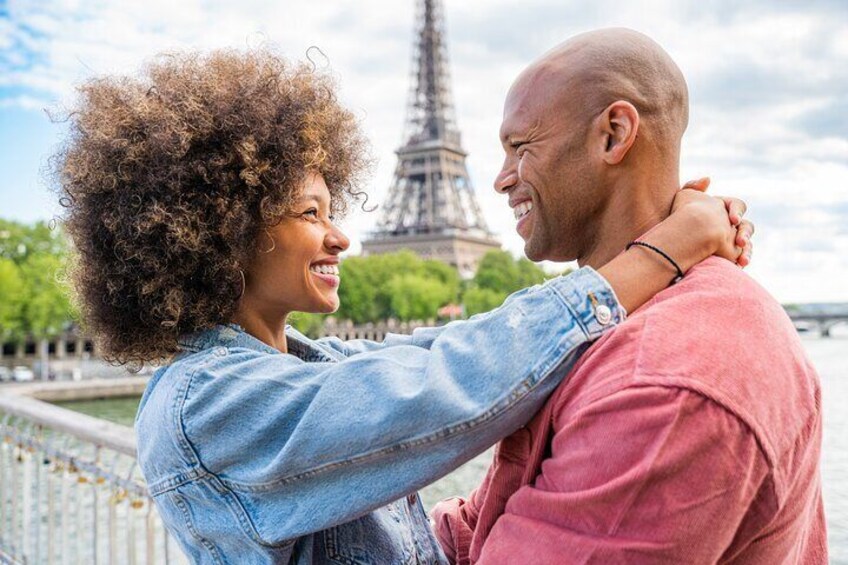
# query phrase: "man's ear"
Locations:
[[619, 124]]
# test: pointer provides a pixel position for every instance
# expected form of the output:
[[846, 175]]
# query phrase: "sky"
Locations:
[[768, 85]]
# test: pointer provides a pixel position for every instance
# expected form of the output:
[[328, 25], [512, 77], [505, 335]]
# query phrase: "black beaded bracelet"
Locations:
[[661, 252]]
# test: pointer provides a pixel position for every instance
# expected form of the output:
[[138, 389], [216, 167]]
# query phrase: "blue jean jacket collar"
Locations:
[[233, 336]]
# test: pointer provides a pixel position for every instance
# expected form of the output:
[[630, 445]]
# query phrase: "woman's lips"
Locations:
[[331, 280]]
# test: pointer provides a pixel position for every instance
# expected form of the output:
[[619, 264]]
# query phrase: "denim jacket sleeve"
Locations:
[[420, 337], [305, 446]]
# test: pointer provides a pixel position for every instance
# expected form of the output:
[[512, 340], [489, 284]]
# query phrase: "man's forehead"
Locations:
[[513, 115], [534, 96]]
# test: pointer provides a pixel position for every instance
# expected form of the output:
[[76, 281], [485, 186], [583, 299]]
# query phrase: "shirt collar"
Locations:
[[233, 336]]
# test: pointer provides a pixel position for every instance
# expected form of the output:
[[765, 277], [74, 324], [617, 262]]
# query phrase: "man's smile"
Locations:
[[522, 210]]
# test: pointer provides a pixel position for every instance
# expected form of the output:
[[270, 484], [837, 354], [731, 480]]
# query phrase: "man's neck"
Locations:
[[634, 208]]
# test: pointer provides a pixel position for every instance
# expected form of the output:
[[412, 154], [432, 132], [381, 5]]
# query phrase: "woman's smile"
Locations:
[[327, 272]]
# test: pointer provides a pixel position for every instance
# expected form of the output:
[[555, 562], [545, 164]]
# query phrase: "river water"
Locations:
[[830, 357]]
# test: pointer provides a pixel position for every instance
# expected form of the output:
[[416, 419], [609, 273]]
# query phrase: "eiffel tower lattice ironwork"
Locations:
[[431, 208]]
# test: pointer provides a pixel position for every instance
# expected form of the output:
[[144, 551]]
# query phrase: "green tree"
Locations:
[[12, 297], [414, 297], [360, 285], [370, 292], [309, 325], [47, 309], [445, 273], [34, 303], [500, 272], [18, 241], [499, 275], [478, 300]]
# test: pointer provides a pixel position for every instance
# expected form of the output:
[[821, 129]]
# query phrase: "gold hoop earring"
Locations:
[[273, 243], [243, 284]]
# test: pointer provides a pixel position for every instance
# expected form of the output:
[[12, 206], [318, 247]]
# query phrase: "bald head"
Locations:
[[591, 133], [588, 72]]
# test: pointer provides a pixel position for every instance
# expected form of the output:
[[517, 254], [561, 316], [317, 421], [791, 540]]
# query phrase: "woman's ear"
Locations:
[[619, 126]]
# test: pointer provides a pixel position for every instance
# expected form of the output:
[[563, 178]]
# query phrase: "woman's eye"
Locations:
[[332, 218], [313, 212]]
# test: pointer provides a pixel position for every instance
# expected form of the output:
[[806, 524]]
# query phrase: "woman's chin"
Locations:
[[330, 306]]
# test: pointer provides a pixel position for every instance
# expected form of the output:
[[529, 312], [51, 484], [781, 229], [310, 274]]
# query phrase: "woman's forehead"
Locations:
[[314, 188]]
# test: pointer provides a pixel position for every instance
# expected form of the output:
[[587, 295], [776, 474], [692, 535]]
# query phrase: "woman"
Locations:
[[200, 199]]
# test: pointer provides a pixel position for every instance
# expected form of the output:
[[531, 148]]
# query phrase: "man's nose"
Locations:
[[336, 240], [507, 178]]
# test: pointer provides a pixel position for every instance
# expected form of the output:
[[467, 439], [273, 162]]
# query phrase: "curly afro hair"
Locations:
[[169, 178]]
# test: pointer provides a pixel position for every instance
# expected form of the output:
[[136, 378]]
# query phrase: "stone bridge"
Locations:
[[822, 322]]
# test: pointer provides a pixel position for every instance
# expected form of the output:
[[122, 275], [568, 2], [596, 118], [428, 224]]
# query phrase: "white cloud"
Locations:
[[765, 79], [23, 101]]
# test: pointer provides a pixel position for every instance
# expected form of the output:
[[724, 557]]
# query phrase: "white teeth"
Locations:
[[325, 269], [522, 209]]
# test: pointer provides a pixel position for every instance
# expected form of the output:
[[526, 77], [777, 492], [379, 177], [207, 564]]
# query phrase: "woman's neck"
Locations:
[[269, 329]]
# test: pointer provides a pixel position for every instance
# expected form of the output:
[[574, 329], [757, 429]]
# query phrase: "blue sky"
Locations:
[[27, 137], [768, 83]]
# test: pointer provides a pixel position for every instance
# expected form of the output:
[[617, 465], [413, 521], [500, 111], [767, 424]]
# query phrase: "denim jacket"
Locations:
[[315, 456]]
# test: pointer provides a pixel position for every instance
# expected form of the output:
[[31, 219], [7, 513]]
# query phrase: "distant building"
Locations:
[[431, 208], [64, 352]]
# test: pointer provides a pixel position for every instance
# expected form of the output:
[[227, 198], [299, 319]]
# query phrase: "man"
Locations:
[[692, 432]]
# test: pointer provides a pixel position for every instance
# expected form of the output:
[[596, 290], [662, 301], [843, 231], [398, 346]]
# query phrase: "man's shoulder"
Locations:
[[716, 289], [718, 324], [716, 311], [720, 335]]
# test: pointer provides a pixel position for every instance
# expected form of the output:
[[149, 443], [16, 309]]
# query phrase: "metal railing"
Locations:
[[345, 329], [71, 490]]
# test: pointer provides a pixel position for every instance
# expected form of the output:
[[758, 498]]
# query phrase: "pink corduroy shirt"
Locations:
[[689, 434]]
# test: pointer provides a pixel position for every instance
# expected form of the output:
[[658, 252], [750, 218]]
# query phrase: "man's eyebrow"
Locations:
[[511, 138], [506, 130]]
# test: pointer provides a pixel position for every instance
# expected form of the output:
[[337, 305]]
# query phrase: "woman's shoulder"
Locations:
[[201, 380]]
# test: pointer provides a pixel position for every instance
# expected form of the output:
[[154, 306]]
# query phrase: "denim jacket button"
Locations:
[[603, 314], [412, 499]]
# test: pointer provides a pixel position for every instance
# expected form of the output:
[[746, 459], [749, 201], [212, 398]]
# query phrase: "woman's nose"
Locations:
[[336, 240]]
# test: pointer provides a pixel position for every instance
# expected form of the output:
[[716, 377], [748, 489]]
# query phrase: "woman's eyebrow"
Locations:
[[306, 198]]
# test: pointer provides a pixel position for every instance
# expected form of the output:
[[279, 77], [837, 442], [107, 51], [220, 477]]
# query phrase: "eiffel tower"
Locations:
[[431, 208]]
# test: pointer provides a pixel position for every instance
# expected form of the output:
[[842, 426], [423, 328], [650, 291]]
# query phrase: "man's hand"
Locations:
[[735, 243]]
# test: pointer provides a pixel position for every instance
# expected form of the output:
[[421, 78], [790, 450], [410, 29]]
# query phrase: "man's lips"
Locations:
[[522, 226], [522, 209]]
